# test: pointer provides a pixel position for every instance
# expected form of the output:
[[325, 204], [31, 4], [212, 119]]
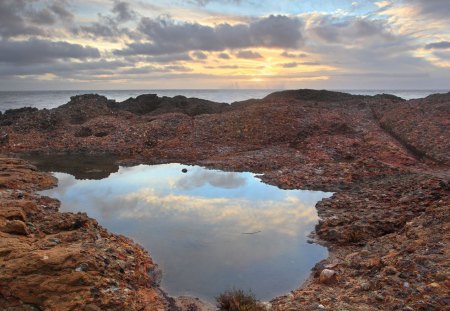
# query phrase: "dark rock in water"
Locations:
[[184, 170], [83, 132]]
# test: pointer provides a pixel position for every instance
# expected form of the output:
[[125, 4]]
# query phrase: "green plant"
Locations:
[[238, 300]]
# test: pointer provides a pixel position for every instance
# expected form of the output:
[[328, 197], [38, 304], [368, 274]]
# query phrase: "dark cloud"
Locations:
[[63, 69], [248, 54], [155, 69], [31, 17], [169, 58], [438, 45], [290, 65], [293, 55], [199, 55], [168, 36], [432, 8], [43, 17], [43, 51], [123, 12], [60, 9], [12, 22], [224, 56], [333, 29], [109, 26], [296, 64]]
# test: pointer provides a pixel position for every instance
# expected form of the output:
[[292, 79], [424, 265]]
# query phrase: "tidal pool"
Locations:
[[208, 230]]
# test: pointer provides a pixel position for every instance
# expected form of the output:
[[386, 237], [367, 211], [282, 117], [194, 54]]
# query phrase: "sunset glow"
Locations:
[[109, 44]]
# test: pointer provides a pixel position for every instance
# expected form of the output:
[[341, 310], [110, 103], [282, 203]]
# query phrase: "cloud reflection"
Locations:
[[288, 216], [199, 178], [194, 225]]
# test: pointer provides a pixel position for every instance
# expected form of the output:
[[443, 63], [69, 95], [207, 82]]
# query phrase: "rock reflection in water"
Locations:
[[208, 230]]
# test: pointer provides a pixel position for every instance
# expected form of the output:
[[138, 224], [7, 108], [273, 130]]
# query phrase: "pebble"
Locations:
[[82, 267], [327, 276]]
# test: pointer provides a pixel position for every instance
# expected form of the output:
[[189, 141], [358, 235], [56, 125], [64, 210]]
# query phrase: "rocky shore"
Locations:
[[387, 225]]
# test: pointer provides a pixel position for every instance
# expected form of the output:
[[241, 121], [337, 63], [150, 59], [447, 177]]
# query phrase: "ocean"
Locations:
[[52, 99]]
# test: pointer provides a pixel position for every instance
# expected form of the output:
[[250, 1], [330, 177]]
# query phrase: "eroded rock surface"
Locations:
[[387, 225], [63, 261]]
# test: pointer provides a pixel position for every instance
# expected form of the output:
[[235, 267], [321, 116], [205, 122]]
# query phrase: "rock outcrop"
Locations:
[[387, 225]]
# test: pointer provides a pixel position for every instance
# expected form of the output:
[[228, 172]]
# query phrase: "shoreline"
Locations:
[[385, 193]]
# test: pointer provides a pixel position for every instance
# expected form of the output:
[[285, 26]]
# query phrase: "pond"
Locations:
[[208, 230]]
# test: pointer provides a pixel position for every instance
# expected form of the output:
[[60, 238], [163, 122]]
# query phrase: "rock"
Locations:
[[82, 267], [14, 227], [390, 270], [184, 170], [364, 286], [4, 138], [327, 276], [84, 132]]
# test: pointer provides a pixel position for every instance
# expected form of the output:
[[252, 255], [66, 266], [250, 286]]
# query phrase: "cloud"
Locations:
[[432, 8], [287, 216], [199, 55], [63, 68], [60, 9], [169, 58], [293, 55], [109, 26], [224, 56], [168, 36], [334, 29], [248, 55], [438, 45], [123, 12], [205, 2], [43, 17], [290, 65], [29, 17], [43, 51], [12, 22]]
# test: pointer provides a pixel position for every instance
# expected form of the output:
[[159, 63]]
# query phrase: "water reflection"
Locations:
[[208, 230], [82, 166]]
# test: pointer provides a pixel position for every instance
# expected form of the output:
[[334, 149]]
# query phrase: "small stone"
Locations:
[[365, 286], [379, 297], [434, 285], [92, 307], [81, 268], [390, 270], [327, 276], [406, 285], [184, 170]]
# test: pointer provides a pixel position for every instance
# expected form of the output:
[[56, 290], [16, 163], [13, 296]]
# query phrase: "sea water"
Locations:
[[52, 99]]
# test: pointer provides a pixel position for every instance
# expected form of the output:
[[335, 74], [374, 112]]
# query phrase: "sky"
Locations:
[[224, 44]]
